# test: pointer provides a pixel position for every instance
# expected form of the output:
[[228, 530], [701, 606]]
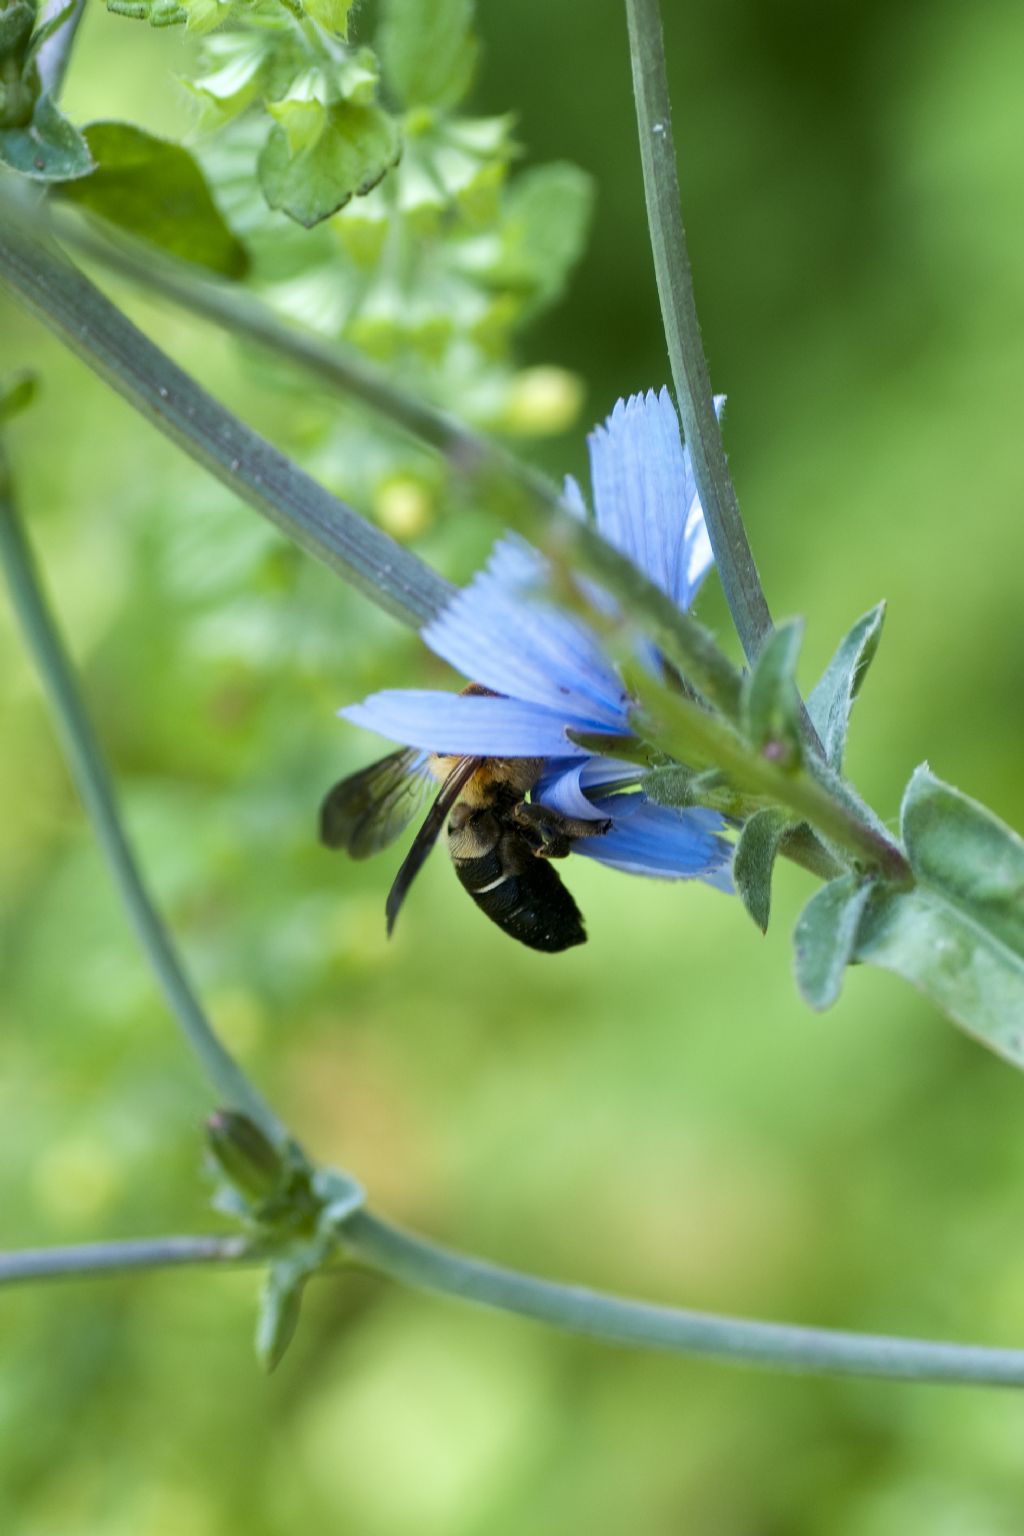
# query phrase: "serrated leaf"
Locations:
[[49, 148], [832, 698], [428, 50], [825, 937], [156, 191], [959, 936], [754, 861], [353, 149], [770, 702]]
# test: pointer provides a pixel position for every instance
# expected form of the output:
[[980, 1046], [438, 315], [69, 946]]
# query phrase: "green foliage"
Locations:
[[17, 392], [428, 50], [832, 698], [825, 937], [770, 701], [322, 154], [36, 139], [155, 190], [959, 936], [47, 147], [204, 15], [754, 862]]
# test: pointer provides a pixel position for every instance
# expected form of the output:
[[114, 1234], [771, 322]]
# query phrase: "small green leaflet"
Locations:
[[831, 701], [48, 148], [754, 861], [824, 938], [770, 703], [345, 152], [155, 191], [428, 50]]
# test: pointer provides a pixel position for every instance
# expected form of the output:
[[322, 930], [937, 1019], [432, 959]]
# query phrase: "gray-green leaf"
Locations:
[[770, 702], [825, 937], [959, 936], [754, 861], [156, 191], [48, 148], [832, 699], [428, 50], [280, 1305]]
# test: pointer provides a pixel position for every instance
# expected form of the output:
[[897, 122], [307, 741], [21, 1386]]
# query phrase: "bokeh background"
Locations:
[[655, 1113]]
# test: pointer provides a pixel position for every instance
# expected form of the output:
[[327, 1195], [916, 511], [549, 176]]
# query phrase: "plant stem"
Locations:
[[613, 1319], [733, 556], [688, 733], [55, 54], [118, 1258], [54, 291], [95, 787], [400, 1256]]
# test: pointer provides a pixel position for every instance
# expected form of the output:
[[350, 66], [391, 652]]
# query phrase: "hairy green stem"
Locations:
[[679, 727], [57, 293], [95, 787], [733, 556], [118, 1258]]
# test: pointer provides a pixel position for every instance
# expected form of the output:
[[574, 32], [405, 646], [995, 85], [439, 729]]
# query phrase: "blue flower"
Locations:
[[546, 670]]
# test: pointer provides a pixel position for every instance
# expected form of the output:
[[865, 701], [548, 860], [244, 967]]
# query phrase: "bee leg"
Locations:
[[549, 833]]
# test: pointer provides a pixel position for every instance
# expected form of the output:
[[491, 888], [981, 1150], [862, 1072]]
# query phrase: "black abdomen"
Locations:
[[520, 892]]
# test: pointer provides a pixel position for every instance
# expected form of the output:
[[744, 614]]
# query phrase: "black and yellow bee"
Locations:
[[500, 842]]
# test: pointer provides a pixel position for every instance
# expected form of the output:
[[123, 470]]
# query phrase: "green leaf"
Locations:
[[280, 1305], [959, 936], [17, 392], [544, 230], [159, 13], [332, 15], [156, 191], [825, 937], [49, 148], [832, 699], [16, 23], [770, 703], [428, 50], [754, 861], [312, 165]]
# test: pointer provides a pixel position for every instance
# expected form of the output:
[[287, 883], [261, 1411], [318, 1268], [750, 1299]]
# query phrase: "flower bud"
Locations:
[[243, 1153]]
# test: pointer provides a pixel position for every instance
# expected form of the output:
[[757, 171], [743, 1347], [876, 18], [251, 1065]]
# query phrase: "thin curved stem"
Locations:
[[57, 293], [386, 1250], [94, 785], [733, 555], [118, 1258], [410, 1259]]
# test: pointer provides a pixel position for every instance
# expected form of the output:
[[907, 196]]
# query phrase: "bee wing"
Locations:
[[369, 809], [427, 835]]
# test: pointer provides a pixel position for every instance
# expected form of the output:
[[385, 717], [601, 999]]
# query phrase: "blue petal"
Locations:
[[659, 841], [645, 496], [497, 634], [464, 725]]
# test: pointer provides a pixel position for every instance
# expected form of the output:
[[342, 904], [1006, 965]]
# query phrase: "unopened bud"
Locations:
[[243, 1153]]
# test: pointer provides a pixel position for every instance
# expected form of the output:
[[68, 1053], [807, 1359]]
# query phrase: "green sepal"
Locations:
[[754, 861], [155, 191], [312, 167], [428, 50], [825, 938], [48, 148], [17, 392], [770, 702], [959, 936], [245, 1156], [280, 1306], [832, 698]]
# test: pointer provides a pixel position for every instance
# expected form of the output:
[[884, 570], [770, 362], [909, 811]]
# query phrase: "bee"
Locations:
[[500, 842]]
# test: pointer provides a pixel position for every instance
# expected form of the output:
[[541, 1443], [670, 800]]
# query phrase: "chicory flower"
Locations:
[[546, 670]]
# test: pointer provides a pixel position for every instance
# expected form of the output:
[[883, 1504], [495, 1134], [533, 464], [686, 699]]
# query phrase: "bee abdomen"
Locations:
[[532, 905]]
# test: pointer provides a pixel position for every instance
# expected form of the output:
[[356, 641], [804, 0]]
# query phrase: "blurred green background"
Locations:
[[655, 1113]]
